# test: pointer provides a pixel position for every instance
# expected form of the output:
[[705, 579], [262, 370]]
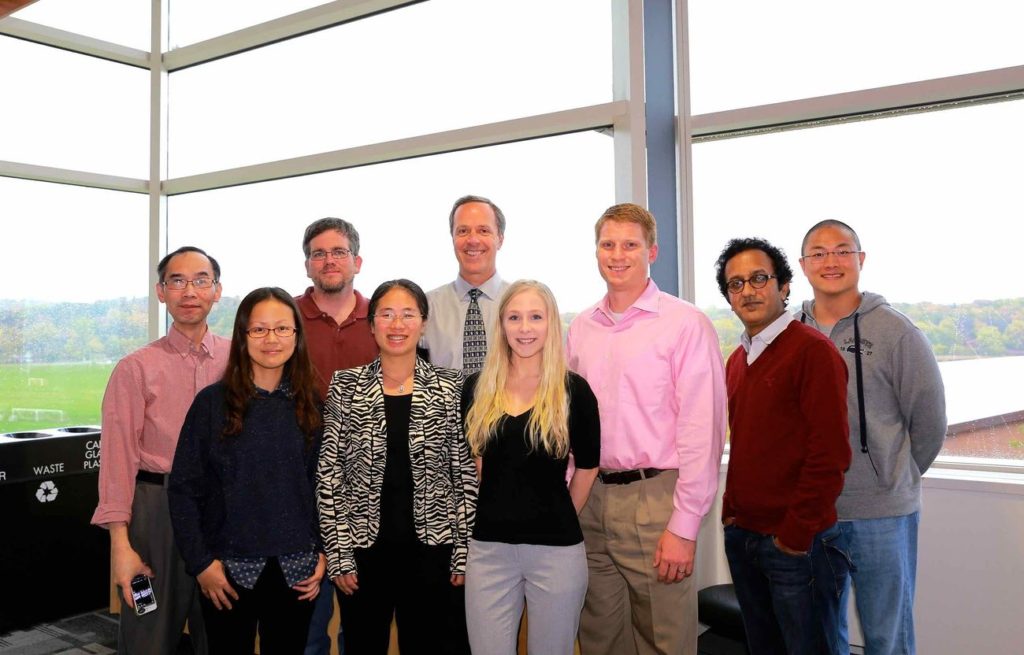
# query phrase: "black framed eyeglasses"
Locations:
[[756, 281], [260, 332]]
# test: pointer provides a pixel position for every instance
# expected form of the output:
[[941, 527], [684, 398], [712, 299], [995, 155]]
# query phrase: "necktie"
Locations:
[[474, 338]]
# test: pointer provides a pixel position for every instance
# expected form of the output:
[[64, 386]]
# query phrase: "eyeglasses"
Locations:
[[756, 281], [820, 256], [180, 283], [336, 253], [283, 331], [388, 316]]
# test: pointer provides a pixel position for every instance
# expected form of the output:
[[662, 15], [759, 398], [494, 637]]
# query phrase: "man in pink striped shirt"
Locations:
[[144, 406], [655, 365]]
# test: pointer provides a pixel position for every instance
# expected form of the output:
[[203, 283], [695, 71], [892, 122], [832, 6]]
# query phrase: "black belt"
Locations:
[[625, 477], [159, 479]]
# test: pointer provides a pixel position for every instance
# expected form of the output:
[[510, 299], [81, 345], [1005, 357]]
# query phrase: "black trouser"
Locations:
[[274, 607], [411, 583]]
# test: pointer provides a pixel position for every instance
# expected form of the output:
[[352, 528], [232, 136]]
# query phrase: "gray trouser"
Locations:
[[177, 596], [553, 581]]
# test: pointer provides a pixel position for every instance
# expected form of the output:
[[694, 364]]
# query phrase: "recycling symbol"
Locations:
[[47, 492]]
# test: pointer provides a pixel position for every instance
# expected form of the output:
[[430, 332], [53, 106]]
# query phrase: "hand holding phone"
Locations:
[[142, 594]]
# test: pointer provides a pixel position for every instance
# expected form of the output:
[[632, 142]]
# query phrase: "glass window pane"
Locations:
[[749, 53], [935, 199], [125, 22], [73, 302], [386, 77], [197, 20], [73, 111], [401, 211]]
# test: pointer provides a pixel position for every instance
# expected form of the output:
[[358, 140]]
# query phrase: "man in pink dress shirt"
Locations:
[[144, 406], [655, 365]]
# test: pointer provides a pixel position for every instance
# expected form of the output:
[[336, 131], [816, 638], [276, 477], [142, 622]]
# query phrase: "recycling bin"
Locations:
[[53, 564]]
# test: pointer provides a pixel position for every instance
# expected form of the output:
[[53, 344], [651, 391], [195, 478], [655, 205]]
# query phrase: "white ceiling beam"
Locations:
[[86, 45], [985, 85], [520, 129], [72, 177], [279, 29]]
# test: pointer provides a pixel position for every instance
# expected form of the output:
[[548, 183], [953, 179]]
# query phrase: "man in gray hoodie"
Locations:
[[897, 411]]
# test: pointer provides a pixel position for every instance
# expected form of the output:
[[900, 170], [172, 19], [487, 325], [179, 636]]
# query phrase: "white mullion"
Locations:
[[279, 29], [562, 122], [684, 157], [86, 45], [1002, 83], [630, 130], [71, 176], [157, 161]]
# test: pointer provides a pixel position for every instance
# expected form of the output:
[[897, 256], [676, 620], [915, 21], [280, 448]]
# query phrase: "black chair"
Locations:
[[718, 609]]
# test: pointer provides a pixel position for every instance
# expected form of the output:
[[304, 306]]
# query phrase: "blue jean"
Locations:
[[790, 603], [884, 552], [319, 642]]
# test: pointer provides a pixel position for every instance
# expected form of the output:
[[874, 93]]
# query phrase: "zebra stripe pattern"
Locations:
[[350, 473]]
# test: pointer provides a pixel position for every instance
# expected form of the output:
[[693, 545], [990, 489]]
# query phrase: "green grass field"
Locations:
[[75, 389]]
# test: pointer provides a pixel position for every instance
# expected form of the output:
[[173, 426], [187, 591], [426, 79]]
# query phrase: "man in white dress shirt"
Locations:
[[462, 312]]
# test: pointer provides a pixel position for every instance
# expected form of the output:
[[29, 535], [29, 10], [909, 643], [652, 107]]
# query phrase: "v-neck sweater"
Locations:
[[789, 437]]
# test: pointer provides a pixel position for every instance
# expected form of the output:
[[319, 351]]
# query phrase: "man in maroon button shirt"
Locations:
[[334, 316], [333, 312]]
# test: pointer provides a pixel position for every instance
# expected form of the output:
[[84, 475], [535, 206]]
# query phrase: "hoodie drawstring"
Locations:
[[860, 385]]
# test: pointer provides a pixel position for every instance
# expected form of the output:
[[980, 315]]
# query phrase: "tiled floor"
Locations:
[[87, 634]]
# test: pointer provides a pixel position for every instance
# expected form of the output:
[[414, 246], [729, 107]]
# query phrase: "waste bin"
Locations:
[[54, 563]]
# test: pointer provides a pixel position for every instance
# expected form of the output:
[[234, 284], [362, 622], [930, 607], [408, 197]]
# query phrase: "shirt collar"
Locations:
[[647, 302], [284, 388], [309, 308], [769, 334], [183, 345], [491, 288]]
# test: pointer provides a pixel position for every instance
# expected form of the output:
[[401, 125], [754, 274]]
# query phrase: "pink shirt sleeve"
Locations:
[[700, 399], [124, 415]]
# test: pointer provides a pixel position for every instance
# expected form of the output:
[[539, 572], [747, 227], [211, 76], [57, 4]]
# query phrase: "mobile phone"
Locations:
[[142, 594]]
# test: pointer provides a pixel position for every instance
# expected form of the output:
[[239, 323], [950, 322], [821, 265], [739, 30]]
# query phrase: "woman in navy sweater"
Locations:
[[241, 487]]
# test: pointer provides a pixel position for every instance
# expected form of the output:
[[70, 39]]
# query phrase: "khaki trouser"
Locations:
[[627, 611]]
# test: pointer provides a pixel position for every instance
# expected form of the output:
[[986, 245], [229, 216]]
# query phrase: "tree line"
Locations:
[[983, 328], [106, 330]]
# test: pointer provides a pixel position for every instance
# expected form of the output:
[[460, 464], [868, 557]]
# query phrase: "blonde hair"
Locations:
[[628, 212], [548, 427]]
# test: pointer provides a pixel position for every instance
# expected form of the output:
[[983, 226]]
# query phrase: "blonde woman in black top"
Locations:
[[525, 413]]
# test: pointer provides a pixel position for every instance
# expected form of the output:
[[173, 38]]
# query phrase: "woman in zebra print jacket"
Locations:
[[396, 486]]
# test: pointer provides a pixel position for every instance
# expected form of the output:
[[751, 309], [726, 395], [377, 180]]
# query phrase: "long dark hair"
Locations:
[[298, 370]]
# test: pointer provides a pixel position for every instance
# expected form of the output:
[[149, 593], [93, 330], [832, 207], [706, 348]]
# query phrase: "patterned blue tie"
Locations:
[[474, 338]]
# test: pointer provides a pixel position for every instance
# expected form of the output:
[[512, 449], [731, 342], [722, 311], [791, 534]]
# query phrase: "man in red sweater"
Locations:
[[789, 448]]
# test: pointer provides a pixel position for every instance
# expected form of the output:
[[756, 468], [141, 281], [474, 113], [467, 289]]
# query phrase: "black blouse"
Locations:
[[396, 517], [524, 498]]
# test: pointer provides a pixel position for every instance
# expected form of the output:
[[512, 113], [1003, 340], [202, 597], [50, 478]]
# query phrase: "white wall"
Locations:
[[970, 578]]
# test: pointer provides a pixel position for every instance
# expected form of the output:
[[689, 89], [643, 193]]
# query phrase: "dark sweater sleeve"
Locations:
[[733, 372], [187, 485], [822, 386], [584, 424], [468, 390]]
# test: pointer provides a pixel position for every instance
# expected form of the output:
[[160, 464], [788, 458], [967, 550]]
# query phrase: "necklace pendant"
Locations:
[[401, 388]]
